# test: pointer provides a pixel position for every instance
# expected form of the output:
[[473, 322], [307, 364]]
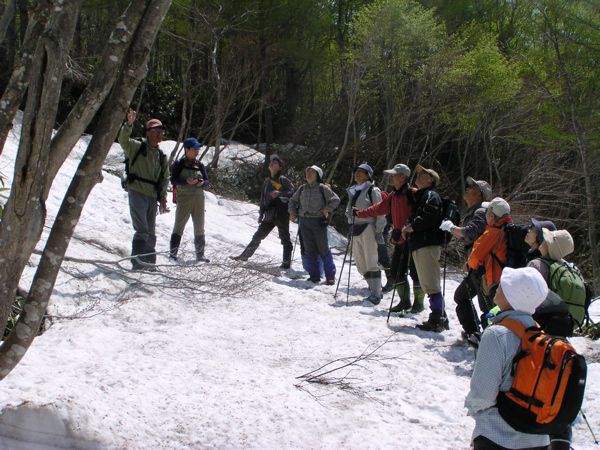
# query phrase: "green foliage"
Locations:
[[480, 79], [394, 34], [160, 100]]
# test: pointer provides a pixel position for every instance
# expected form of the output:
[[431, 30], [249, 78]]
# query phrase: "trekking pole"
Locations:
[[349, 265], [445, 256], [350, 260], [391, 303], [295, 242], [343, 264], [589, 427]]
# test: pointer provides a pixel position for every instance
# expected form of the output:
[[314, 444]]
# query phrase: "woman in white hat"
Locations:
[[312, 204]]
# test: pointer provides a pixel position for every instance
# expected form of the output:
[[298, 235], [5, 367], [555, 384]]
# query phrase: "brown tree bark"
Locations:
[[8, 16], [19, 80], [25, 211], [88, 174], [97, 89]]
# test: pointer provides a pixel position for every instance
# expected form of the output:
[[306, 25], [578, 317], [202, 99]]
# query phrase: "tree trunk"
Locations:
[[8, 17], [25, 211], [88, 174], [353, 87], [97, 89], [19, 80]]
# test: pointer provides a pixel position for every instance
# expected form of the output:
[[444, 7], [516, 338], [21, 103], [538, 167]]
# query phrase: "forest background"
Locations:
[[505, 91]]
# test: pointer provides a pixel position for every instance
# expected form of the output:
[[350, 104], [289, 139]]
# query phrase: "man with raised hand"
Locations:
[[147, 183]]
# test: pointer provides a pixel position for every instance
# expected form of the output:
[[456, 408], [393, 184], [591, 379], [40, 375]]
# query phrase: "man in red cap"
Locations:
[[147, 181]]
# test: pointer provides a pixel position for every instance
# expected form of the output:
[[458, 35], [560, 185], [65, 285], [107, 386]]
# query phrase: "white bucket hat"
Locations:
[[524, 288]]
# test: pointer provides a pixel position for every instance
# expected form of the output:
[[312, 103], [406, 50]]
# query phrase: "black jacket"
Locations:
[[270, 208], [426, 219]]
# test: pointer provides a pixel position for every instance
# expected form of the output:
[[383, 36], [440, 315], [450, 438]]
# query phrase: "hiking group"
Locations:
[[518, 273]]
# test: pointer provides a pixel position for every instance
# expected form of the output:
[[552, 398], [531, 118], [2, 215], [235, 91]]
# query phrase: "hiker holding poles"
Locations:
[[399, 204], [472, 226], [365, 231]]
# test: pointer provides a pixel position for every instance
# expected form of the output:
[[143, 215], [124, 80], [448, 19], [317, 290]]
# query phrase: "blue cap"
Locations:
[[191, 142]]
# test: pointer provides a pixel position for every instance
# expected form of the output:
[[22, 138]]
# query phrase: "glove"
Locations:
[[162, 207], [205, 184], [448, 226]]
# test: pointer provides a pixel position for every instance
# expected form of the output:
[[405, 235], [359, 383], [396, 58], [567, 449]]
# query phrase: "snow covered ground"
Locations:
[[129, 367]]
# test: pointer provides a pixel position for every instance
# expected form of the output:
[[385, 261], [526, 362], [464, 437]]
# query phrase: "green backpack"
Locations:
[[565, 280]]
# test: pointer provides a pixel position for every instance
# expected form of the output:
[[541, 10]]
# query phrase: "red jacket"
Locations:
[[398, 203], [493, 240]]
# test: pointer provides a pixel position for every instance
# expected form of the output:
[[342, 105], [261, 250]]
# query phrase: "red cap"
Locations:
[[154, 123]]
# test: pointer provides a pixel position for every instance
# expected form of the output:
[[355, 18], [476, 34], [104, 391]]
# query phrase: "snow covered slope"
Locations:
[[125, 365]]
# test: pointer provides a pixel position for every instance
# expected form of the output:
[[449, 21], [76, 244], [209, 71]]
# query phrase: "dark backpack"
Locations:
[[549, 379], [126, 177], [516, 247]]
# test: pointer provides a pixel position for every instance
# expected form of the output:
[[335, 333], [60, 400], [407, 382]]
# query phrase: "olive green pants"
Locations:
[[190, 203]]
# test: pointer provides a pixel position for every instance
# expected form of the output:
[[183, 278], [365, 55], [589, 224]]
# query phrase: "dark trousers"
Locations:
[[143, 216], [463, 296], [283, 227], [316, 245], [401, 266], [483, 443]]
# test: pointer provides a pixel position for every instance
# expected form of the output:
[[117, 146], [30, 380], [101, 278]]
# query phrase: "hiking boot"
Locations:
[[389, 285], [373, 299], [314, 279], [174, 246], [472, 339], [286, 261], [403, 290], [330, 281], [419, 295], [137, 248], [248, 252], [436, 323], [200, 244]]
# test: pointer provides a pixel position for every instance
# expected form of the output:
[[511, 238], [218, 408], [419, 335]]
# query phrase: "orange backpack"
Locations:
[[548, 385]]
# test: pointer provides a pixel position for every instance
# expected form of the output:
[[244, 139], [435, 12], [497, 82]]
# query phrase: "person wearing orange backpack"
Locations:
[[519, 293], [489, 250]]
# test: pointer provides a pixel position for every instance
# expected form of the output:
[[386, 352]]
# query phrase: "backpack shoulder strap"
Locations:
[[493, 253], [513, 325], [322, 189], [369, 191], [138, 153]]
